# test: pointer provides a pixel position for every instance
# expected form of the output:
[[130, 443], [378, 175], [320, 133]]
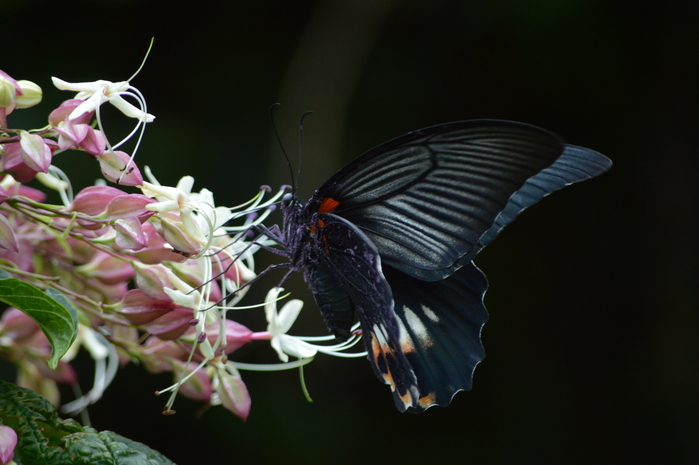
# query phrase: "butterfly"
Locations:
[[391, 237]]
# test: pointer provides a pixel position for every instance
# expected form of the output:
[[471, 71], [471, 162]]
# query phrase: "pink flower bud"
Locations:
[[197, 386], [113, 165], [30, 192], [24, 258], [151, 279], [13, 163], [192, 274], [17, 325], [129, 206], [8, 442], [237, 336], [35, 153], [141, 309], [234, 394], [70, 135], [172, 324], [62, 112], [106, 268], [165, 349], [157, 250], [94, 142], [8, 241], [129, 235], [93, 200], [176, 235]]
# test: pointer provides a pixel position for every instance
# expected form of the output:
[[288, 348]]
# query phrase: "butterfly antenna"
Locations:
[[279, 141], [303, 117]]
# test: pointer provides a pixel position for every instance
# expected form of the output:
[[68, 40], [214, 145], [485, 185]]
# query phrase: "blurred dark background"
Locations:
[[592, 345]]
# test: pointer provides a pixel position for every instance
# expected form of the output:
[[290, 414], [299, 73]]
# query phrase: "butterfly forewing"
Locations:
[[426, 198], [576, 164]]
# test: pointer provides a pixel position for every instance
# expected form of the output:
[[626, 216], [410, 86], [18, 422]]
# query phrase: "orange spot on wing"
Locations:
[[408, 346], [426, 401], [407, 399], [328, 205]]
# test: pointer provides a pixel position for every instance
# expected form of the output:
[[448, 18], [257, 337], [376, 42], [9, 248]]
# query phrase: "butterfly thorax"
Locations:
[[296, 232]]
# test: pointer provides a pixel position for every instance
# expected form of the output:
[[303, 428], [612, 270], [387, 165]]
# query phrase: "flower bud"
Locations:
[[8, 90], [172, 324], [94, 142], [17, 325], [197, 386], [152, 279], [106, 268], [8, 240], [175, 234], [129, 206], [129, 235], [113, 165], [35, 153], [30, 94], [157, 250], [93, 200], [8, 442], [62, 113], [233, 394], [141, 309]]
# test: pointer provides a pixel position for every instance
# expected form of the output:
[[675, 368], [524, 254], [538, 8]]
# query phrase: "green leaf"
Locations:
[[43, 438], [56, 317]]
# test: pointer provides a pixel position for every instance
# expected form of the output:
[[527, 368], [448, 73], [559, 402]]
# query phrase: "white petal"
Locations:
[[277, 346], [182, 299], [130, 110], [91, 104], [185, 184], [163, 207], [77, 86], [271, 308], [297, 348], [288, 314], [153, 190]]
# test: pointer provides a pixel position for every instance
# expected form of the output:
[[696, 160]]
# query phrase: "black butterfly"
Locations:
[[392, 235]]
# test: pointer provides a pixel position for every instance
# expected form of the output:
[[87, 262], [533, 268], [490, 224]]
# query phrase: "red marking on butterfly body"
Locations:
[[328, 205]]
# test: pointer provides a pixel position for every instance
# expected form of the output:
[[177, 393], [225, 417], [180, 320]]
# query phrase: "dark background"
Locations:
[[592, 344]]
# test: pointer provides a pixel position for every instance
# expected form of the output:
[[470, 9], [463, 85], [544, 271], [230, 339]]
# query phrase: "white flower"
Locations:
[[278, 323], [96, 93], [199, 216]]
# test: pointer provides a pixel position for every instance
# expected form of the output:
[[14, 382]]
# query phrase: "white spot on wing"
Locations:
[[406, 341], [381, 336], [417, 326], [429, 313]]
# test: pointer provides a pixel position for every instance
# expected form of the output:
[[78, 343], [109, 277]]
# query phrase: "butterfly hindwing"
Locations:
[[345, 274], [443, 320], [422, 338]]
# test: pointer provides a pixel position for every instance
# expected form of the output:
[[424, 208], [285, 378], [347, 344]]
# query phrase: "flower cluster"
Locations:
[[151, 274]]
